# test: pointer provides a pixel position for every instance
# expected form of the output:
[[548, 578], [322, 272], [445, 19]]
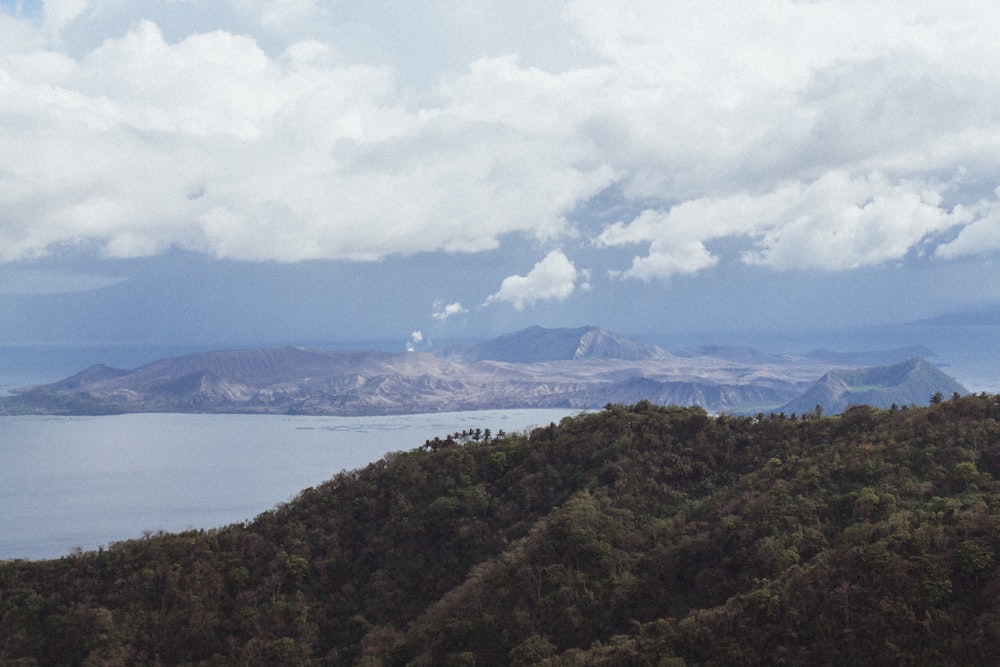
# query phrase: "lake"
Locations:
[[68, 482]]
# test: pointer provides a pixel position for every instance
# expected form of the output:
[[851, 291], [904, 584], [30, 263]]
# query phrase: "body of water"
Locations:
[[68, 482]]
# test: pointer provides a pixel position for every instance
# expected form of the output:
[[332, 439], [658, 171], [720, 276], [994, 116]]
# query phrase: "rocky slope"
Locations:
[[535, 368], [537, 344], [910, 382]]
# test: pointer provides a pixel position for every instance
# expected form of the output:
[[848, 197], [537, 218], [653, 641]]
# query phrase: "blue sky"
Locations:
[[244, 171]]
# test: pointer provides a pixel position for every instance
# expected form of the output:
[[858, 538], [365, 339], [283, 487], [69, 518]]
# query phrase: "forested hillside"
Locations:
[[637, 535]]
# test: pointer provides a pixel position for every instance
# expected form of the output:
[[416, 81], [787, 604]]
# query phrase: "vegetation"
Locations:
[[638, 535]]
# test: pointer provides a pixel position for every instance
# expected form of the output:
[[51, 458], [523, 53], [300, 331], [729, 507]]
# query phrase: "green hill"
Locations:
[[638, 535]]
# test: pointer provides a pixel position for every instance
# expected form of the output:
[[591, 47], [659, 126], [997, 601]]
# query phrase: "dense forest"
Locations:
[[637, 535]]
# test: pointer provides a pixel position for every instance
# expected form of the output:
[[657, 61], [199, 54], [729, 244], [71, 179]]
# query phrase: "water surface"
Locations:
[[69, 482]]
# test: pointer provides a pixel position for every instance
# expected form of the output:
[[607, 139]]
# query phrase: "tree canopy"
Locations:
[[638, 535]]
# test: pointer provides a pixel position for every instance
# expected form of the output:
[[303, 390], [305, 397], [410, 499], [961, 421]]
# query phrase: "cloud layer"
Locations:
[[820, 135]]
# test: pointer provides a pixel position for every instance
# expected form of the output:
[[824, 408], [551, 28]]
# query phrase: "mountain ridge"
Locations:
[[906, 383], [580, 368], [537, 344]]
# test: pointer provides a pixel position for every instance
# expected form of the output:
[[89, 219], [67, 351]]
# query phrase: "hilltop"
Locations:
[[906, 383], [537, 344], [637, 535], [582, 368]]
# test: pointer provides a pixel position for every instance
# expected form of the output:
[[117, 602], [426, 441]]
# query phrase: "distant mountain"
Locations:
[[537, 344], [687, 393], [728, 352], [88, 376], [911, 382], [872, 357], [278, 380], [989, 316], [580, 368]]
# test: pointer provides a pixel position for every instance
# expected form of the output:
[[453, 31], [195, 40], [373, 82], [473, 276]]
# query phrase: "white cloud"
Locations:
[[57, 14], [18, 36], [840, 222], [979, 237], [676, 240], [280, 14], [828, 134], [443, 311], [834, 223], [554, 277], [295, 157]]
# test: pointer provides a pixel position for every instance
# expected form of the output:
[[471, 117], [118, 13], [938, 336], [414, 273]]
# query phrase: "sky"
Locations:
[[233, 172]]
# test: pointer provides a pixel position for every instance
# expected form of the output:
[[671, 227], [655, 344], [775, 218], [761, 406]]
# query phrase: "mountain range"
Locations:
[[578, 368]]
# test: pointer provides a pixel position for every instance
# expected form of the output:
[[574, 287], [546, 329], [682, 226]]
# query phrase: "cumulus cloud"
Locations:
[[834, 223], [295, 156], [826, 134], [554, 277], [979, 237], [676, 241], [57, 14], [839, 222], [443, 311]]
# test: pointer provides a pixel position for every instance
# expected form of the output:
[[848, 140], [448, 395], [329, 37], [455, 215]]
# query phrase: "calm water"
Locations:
[[69, 482]]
